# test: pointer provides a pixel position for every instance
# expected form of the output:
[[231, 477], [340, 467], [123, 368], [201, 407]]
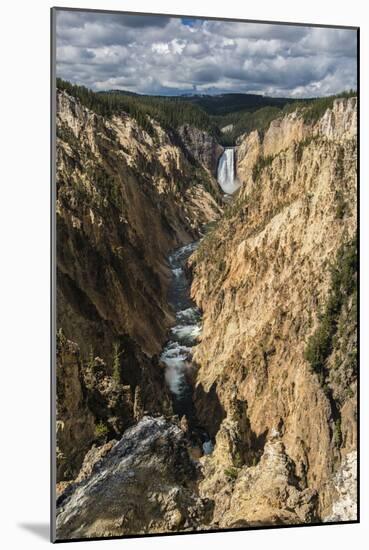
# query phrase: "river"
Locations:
[[177, 353]]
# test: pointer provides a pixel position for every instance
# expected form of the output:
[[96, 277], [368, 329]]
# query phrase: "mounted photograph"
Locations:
[[204, 274]]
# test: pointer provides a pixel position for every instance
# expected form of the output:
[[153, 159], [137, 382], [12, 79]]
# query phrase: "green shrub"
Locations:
[[101, 430], [343, 286], [65, 133], [232, 473], [237, 460], [337, 433], [349, 393]]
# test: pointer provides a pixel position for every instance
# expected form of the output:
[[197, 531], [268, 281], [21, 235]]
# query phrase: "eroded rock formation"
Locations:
[[147, 483], [261, 278], [202, 146]]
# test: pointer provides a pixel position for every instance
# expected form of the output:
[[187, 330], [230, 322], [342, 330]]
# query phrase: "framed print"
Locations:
[[204, 274]]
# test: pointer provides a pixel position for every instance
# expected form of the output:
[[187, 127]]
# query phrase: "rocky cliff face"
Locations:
[[94, 406], [264, 281], [339, 123], [202, 146], [145, 484], [75, 424], [124, 199], [266, 493]]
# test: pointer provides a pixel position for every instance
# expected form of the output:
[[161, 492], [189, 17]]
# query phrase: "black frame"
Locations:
[[53, 244]]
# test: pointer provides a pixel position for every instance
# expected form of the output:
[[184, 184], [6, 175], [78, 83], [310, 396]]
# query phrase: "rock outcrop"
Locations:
[[262, 276], [75, 426], [267, 493], [338, 123], [93, 407], [147, 483], [345, 482], [202, 146]]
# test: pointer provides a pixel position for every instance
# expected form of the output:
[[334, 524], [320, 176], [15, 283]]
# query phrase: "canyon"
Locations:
[[206, 312]]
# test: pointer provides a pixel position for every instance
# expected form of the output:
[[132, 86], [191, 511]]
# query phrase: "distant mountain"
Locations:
[[118, 92], [224, 104], [221, 104]]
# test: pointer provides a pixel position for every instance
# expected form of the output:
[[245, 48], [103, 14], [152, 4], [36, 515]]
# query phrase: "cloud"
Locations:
[[166, 55]]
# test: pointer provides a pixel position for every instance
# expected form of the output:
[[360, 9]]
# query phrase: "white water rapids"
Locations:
[[226, 173], [177, 353]]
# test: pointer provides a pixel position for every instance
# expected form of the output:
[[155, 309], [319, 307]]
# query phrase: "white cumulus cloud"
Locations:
[[166, 55]]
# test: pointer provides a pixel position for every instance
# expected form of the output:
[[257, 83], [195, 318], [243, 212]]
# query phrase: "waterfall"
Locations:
[[225, 175]]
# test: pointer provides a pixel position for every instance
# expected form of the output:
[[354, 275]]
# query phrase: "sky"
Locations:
[[171, 56]]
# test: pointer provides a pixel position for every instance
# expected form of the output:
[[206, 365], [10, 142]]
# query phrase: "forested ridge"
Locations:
[[241, 112], [170, 113]]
